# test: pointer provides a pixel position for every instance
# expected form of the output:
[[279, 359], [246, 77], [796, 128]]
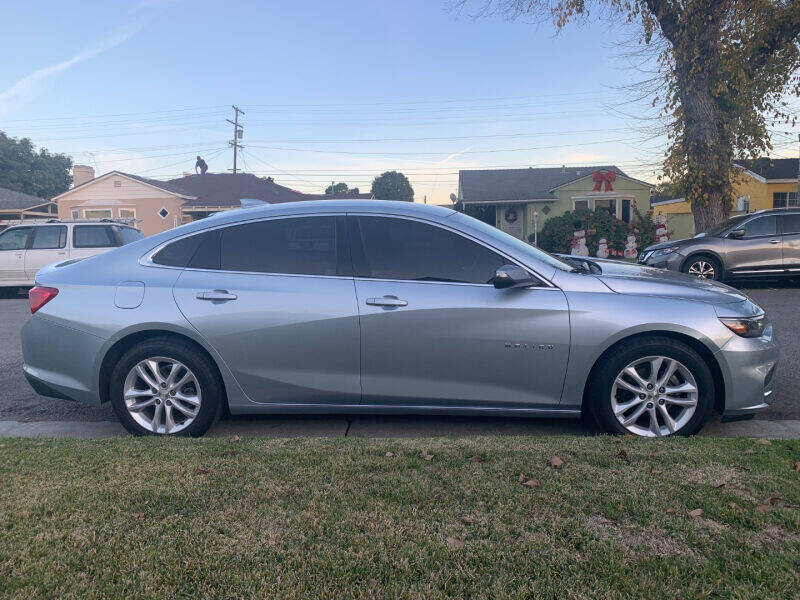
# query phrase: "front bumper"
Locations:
[[748, 367], [672, 261]]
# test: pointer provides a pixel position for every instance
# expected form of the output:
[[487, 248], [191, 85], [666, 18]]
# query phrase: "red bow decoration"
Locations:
[[604, 179]]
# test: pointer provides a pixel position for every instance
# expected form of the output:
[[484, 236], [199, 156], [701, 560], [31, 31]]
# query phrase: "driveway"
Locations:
[[19, 403]]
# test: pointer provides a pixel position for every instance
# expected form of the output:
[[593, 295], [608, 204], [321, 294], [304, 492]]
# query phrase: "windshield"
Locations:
[[725, 225], [523, 247]]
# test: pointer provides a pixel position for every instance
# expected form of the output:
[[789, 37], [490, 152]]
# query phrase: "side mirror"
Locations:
[[737, 233], [512, 276]]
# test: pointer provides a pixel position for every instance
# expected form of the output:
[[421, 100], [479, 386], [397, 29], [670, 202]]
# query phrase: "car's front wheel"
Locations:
[[165, 387], [705, 267], [652, 387]]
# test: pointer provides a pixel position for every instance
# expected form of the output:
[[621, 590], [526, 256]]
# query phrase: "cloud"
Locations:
[[149, 4], [36, 82], [452, 156]]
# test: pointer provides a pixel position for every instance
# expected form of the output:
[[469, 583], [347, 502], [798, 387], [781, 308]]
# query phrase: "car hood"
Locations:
[[673, 243], [628, 278]]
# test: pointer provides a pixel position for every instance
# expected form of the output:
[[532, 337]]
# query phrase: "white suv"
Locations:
[[26, 248]]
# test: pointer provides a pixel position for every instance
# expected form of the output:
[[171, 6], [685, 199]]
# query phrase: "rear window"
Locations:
[[129, 234], [49, 237], [93, 236]]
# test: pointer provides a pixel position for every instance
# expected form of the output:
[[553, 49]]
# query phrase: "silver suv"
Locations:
[[761, 244]]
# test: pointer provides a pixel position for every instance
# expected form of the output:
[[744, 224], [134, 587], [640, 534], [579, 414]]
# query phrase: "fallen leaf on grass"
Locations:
[[735, 506], [233, 439], [467, 520], [655, 472], [695, 513], [135, 455], [455, 543], [476, 459], [605, 521], [719, 485], [749, 451], [622, 455], [230, 452], [555, 462], [762, 441], [797, 466], [426, 455], [138, 515], [656, 453], [390, 455], [202, 471], [528, 481], [670, 511], [764, 507]]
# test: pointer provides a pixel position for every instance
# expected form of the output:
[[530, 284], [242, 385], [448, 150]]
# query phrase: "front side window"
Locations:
[[14, 239], [49, 238], [761, 226], [790, 224], [93, 236], [409, 250], [299, 246]]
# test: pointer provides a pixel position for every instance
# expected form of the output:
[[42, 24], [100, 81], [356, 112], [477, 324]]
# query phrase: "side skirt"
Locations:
[[379, 409]]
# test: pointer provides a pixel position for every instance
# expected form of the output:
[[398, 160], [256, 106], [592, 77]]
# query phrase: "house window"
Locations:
[[74, 214], [784, 199], [97, 213], [163, 213], [581, 204], [127, 213], [743, 204], [117, 183], [607, 204]]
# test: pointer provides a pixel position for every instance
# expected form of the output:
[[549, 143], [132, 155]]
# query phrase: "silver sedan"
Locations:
[[387, 307]]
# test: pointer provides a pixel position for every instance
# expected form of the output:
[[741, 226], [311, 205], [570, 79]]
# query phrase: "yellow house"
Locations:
[[761, 184]]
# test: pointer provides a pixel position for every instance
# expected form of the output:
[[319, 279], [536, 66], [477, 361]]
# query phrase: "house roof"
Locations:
[[496, 185], [771, 168], [11, 200], [657, 199]]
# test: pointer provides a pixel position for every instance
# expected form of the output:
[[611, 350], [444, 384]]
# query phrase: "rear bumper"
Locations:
[[750, 364], [58, 361]]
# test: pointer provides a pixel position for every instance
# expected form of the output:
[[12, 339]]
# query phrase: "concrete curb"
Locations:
[[414, 427]]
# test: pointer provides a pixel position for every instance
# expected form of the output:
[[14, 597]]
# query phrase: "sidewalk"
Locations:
[[383, 427]]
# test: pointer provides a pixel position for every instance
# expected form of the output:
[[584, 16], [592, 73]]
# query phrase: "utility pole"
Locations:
[[238, 132], [797, 199]]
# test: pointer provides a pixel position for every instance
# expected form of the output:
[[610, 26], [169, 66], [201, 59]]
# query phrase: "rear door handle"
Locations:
[[216, 295], [386, 301], [774, 241]]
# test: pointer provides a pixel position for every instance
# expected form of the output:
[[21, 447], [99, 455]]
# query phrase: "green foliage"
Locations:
[[392, 185], [340, 189], [24, 170], [558, 232]]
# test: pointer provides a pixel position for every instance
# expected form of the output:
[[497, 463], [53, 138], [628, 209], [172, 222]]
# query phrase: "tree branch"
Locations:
[[784, 30], [666, 16]]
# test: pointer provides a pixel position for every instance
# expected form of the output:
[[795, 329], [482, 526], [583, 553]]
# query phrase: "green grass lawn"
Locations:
[[353, 518]]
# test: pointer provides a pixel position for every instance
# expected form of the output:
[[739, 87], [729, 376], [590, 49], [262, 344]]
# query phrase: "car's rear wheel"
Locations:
[[165, 387], [652, 387], [703, 266]]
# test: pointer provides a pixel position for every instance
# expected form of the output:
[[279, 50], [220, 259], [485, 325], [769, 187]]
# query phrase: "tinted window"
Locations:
[[761, 226], [304, 246], [14, 239], [93, 236], [410, 250], [129, 234], [790, 223], [179, 253], [49, 238]]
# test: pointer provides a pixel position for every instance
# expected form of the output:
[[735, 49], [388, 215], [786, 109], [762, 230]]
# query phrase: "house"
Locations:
[[161, 205], [518, 201], [15, 206], [760, 184]]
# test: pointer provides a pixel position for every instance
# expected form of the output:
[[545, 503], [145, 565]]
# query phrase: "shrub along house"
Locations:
[[520, 201], [160, 205]]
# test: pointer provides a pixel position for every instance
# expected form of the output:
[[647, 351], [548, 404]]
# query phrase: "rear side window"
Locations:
[[199, 251], [93, 236], [49, 238], [129, 234], [790, 223], [410, 250], [14, 239], [761, 226], [301, 246]]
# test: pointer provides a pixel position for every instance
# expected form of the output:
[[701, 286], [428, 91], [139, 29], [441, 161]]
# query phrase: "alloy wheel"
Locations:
[[654, 396], [162, 395], [702, 268]]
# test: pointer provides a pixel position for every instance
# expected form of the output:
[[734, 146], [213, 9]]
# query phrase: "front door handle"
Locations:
[[216, 295], [386, 301], [774, 241]]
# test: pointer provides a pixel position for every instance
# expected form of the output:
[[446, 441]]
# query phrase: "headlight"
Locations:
[[664, 251], [749, 327]]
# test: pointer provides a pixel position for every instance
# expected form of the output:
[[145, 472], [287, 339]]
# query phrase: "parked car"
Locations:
[[387, 307], [761, 244], [26, 248]]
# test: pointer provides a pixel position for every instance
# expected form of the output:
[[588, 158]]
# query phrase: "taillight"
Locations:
[[39, 296]]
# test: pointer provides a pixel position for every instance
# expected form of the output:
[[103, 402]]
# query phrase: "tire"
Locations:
[[607, 397], [703, 263], [202, 386], [9, 292]]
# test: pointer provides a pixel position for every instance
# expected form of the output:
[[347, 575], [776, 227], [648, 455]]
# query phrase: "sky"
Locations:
[[331, 91]]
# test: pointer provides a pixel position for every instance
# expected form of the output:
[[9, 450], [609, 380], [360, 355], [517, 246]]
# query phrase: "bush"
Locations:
[[558, 232]]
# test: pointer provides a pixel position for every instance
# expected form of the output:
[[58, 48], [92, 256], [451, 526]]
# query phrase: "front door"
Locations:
[[49, 244], [12, 254], [758, 251], [435, 331], [275, 298], [790, 237]]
